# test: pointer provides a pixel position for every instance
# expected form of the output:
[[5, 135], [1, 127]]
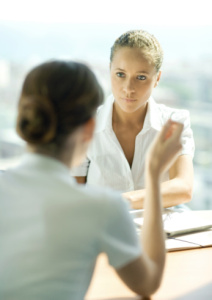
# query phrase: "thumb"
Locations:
[[176, 130], [166, 130]]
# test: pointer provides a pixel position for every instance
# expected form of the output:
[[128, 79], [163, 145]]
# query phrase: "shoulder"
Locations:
[[176, 113], [102, 195], [159, 114], [105, 201], [182, 116], [165, 112]]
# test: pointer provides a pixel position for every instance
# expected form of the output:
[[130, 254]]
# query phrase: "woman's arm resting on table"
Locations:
[[176, 191], [144, 274]]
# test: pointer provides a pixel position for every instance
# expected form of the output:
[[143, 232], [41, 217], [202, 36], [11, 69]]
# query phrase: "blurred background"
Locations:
[[31, 33]]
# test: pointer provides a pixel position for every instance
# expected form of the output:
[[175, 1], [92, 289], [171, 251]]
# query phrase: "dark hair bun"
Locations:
[[56, 98], [36, 121]]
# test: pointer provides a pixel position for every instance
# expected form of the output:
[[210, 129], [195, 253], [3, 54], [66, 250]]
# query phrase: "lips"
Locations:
[[129, 100]]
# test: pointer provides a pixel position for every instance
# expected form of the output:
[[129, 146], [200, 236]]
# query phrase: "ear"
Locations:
[[88, 129], [158, 78]]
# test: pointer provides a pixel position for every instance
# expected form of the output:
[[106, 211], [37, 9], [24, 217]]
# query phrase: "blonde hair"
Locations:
[[143, 40]]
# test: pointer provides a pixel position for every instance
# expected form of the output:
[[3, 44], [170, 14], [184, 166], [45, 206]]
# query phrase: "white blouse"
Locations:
[[106, 164]]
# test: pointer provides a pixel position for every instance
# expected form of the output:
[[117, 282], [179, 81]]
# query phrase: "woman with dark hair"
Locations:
[[53, 229]]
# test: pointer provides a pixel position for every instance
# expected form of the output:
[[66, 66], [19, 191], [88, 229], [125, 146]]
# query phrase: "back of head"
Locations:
[[143, 40], [56, 98]]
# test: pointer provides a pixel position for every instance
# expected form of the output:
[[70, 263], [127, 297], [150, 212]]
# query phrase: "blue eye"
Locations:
[[120, 74], [141, 77]]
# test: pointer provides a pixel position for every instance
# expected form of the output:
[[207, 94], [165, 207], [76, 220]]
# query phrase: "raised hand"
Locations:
[[163, 151]]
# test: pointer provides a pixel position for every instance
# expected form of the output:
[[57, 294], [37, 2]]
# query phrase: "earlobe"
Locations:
[[156, 83]]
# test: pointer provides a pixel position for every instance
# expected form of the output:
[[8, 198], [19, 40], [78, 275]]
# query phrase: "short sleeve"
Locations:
[[119, 239], [183, 116], [81, 170], [187, 139]]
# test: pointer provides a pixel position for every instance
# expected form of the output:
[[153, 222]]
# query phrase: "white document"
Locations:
[[179, 223]]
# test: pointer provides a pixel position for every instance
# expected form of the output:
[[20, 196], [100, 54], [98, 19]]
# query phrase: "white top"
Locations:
[[106, 164], [52, 230]]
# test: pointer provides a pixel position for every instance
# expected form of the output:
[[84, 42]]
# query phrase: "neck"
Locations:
[[63, 155], [123, 118]]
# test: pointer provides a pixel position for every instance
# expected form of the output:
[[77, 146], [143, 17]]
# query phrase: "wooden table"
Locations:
[[187, 275]]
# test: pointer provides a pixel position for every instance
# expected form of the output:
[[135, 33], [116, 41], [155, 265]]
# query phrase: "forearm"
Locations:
[[174, 192], [152, 235], [161, 155]]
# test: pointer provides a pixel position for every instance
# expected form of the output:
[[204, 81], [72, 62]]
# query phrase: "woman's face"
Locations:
[[133, 78]]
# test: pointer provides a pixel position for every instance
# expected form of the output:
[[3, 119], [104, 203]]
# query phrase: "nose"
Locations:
[[129, 86]]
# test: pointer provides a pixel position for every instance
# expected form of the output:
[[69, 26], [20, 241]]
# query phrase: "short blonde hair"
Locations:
[[142, 40]]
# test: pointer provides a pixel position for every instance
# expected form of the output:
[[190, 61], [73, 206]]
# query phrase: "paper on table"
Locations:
[[194, 240], [138, 214], [167, 215], [174, 244], [176, 223], [203, 238]]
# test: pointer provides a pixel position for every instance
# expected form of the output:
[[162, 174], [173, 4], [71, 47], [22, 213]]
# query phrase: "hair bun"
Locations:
[[36, 121]]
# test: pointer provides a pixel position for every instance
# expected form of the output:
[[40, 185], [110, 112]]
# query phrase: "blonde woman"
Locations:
[[128, 122]]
